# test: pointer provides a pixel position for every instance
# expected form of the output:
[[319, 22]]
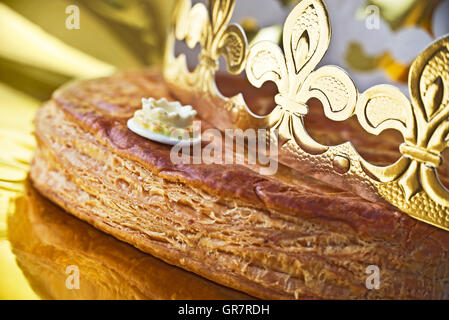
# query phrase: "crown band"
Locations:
[[411, 184]]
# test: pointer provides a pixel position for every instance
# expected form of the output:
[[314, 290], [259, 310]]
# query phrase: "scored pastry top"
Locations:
[[411, 183]]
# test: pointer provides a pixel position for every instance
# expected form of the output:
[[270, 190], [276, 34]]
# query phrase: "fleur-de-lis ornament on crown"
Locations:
[[411, 183], [209, 27], [306, 38]]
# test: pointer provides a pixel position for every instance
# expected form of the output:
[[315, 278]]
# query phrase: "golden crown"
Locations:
[[411, 184]]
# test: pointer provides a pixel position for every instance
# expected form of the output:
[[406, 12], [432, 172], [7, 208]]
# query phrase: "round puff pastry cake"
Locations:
[[285, 236]]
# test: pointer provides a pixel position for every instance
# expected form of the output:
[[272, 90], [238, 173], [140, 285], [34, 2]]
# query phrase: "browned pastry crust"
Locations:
[[285, 236], [46, 240]]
